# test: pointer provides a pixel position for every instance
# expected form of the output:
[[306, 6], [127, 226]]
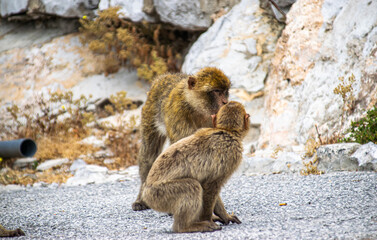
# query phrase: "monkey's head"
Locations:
[[232, 117], [211, 89]]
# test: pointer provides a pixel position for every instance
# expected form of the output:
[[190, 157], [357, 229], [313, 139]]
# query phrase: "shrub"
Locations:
[[364, 130], [150, 48]]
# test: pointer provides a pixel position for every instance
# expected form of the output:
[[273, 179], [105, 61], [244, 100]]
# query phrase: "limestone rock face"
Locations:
[[8, 7], [190, 15], [37, 9], [323, 40], [241, 43], [131, 9], [69, 9]]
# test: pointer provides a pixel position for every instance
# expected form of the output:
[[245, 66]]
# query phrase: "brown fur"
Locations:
[[177, 105], [186, 179], [10, 233]]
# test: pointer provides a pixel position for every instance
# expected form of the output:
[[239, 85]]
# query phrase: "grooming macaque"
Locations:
[[187, 177], [10, 233], [177, 105]]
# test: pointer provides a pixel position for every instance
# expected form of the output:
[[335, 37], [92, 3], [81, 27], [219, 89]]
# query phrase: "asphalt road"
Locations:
[[330, 206]]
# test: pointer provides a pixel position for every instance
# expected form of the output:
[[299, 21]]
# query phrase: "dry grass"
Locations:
[[30, 176], [310, 167], [62, 147], [61, 139]]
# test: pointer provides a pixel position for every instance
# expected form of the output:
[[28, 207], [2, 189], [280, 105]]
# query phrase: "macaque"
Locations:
[[187, 177], [177, 105]]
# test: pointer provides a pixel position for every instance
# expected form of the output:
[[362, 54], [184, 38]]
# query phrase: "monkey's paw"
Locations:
[[226, 219], [11, 233], [139, 206]]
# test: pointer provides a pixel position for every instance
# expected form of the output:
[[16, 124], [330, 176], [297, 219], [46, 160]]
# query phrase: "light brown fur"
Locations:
[[10, 233], [186, 179], [177, 105]]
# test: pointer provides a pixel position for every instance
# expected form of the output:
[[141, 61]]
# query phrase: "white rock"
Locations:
[[185, 14], [69, 8], [11, 187], [24, 162], [94, 141], [77, 164], [87, 174], [125, 119], [286, 162], [131, 9], [234, 44], [320, 44], [40, 184], [132, 172], [10, 7], [366, 155], [337, 157], [52, 163]]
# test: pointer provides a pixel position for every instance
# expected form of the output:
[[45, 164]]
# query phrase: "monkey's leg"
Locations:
[[183, 198], [151, 147], [10, 233], [222, 214], [210, 194]]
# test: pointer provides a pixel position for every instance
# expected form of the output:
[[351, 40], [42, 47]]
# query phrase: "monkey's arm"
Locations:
[[222, 214]]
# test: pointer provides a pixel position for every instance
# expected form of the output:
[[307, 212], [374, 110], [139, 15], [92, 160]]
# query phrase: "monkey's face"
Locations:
[[216, 99]]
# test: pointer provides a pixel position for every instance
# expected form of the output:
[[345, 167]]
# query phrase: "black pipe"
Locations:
[[24, 147]]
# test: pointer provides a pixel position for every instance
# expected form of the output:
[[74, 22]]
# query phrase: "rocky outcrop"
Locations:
[[33, 9], [323, 40], [241, 43], [191, 15], [132, 9], [187, 15]]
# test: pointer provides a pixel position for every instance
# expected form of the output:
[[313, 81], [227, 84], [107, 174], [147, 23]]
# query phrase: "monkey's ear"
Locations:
[[214, 120], [247, 121], [191, 82]]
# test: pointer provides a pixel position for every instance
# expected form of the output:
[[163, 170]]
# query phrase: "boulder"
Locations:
[[338, 157], [190, 15], [284, 162], [10, 7], [24, 162], [68, 8], [366, 156], [131, 9], [52, 163], [25, 9], [322, 42], [241, 43]]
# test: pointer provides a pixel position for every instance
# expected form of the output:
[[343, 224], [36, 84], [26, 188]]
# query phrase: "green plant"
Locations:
[[364, 130], [150, 48]]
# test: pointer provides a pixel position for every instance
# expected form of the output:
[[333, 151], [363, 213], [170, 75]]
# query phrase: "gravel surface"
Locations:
[[332, 206]]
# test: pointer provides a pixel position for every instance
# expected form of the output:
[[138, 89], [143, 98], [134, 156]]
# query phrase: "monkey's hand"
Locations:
[[226, 219]]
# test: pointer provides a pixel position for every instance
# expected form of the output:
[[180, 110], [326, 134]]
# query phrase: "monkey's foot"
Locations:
[[204, 226], [226, 219], [139, 206], [11, 233]]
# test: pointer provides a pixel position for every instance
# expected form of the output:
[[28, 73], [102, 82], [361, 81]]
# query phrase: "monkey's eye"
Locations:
[[217, 91]]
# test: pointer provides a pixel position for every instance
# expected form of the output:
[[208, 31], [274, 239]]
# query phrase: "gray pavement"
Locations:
[[331, 206]]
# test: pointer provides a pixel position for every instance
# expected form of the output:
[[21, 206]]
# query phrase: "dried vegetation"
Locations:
[[58, 123]]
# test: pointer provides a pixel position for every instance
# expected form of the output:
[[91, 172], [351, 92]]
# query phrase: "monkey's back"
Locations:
[[208, 154]]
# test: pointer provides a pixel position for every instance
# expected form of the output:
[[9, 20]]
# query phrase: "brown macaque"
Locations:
[[10, 233], [187, 177], [177, 105]]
